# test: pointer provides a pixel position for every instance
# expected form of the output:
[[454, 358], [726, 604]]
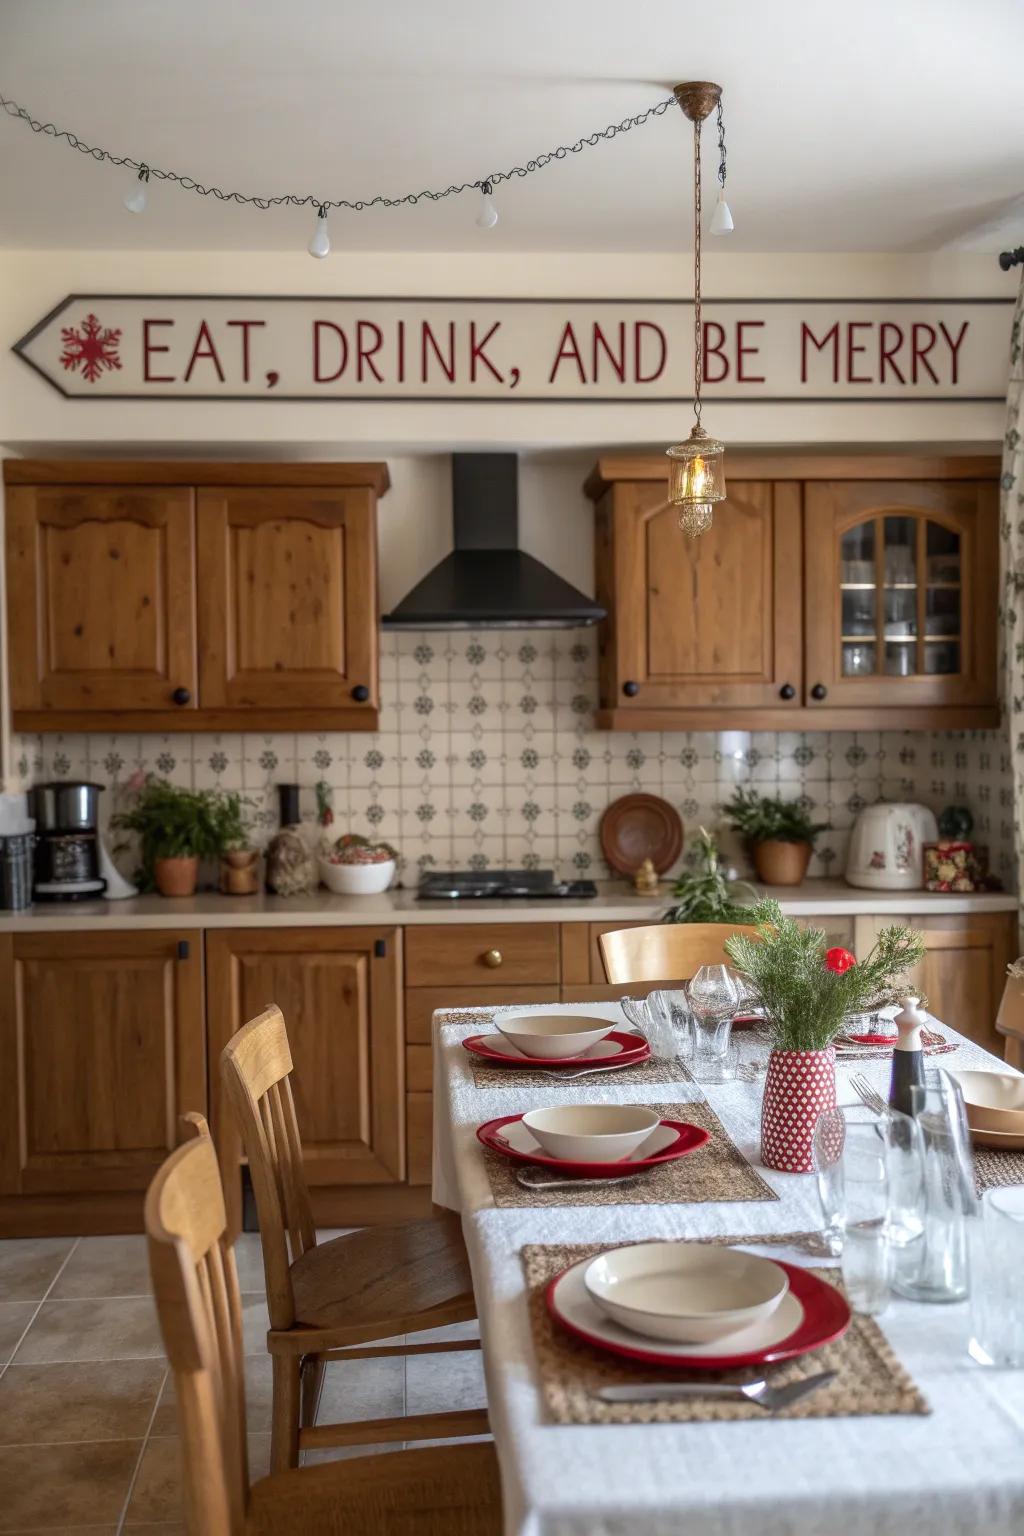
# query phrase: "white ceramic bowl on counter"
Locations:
[[357, 879], [552, 1034], [689, 1293], [592, 1133]]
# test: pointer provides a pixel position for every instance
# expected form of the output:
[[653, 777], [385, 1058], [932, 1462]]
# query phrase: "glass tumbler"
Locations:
[[932, 1266], [671, 1023], [997, 1264]]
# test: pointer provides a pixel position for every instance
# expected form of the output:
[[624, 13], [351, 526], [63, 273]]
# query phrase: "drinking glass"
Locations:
[[713, 997], [997, 1263], [932, 1264], [672, 1023]]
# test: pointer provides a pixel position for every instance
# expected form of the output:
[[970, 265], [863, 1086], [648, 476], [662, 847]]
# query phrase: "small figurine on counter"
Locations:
[[645, 880]]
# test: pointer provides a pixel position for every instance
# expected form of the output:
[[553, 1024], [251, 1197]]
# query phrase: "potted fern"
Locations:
[[177, 828], [778, 833], [806, 990]]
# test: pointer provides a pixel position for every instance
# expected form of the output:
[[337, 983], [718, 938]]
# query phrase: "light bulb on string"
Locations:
[[320, 244], [488, 215], [135, 198], [721, 219]]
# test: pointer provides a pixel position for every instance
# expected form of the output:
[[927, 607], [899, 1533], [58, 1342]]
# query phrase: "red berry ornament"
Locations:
[[839, 960]]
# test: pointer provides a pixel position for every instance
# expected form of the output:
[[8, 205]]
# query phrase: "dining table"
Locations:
[[956, 1469]]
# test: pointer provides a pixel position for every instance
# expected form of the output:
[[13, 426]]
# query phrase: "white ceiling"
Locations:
[[887, 125]]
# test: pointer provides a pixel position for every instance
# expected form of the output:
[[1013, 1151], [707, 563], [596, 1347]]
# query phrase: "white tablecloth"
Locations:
[[959, 1470]]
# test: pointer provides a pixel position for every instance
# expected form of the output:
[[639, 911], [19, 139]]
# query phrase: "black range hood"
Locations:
[[488, 582]]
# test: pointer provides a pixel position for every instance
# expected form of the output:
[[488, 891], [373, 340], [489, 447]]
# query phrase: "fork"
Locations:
[[868, 1094], [759, 1392]]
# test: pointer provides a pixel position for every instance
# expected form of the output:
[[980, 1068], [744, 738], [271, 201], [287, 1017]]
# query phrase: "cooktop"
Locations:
[[500, 885]]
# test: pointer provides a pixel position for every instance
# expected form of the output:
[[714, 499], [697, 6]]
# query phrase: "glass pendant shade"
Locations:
[[696, 479]]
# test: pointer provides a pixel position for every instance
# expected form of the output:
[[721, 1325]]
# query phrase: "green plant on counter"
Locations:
[[174, 823], [769, 818], [702, 892], [807, 988]]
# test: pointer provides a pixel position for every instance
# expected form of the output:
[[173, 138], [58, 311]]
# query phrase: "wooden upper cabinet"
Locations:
[[108, 563], [101, 1038], [832, 592], [100, 598], [901, 582], [699, 624], [287, 599]]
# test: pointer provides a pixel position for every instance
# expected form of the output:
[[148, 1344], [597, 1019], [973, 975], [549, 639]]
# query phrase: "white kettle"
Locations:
[[886, 847]]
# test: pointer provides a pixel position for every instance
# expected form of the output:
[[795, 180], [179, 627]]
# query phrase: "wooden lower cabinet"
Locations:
[[340, 992], [102, 1048]]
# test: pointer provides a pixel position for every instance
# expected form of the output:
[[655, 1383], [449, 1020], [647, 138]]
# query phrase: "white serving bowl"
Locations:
[[592, 1133], [552, 1034], [994, 1101], [690, 1293], [356, 879]]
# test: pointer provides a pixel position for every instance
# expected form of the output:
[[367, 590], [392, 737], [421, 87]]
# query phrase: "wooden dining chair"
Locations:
[[327, 1300], [436, 1491], [666, 951]]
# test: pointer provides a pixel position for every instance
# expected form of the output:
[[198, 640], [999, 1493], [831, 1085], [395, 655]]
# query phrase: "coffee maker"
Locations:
[[67, 857]]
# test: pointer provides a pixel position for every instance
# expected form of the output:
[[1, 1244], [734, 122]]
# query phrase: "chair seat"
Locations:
[[438, 1491], [397, 1276]]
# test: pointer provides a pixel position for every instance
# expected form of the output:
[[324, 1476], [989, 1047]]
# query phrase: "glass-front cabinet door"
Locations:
[[901, 594]]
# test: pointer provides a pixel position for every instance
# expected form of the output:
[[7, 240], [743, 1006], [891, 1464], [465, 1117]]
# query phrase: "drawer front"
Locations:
[[495, 955], [420, 1003]]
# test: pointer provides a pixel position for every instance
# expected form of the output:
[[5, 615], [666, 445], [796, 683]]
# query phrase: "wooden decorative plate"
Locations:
[[638, 827]]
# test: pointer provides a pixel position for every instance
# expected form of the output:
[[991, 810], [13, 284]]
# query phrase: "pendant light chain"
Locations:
[[698, 324], [721, 147]]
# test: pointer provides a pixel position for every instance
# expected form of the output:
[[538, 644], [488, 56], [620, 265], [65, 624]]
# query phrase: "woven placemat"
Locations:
[[653, 1070], [934, 1044], [716, 1171], [870, 1378], [993, 1168]]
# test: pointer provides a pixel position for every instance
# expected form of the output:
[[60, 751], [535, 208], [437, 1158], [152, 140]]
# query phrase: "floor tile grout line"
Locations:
[[39, 1306], [142, 1451]]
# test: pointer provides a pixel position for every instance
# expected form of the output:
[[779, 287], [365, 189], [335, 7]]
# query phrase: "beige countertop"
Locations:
[[615, 902]]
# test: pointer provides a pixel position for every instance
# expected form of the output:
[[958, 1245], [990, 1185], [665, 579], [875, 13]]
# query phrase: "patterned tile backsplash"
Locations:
[[487, 756]]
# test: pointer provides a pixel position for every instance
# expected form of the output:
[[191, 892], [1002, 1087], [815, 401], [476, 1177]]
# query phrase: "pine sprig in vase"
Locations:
[[806, 990]]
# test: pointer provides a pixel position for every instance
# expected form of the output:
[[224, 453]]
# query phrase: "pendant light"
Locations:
[[696, 477]]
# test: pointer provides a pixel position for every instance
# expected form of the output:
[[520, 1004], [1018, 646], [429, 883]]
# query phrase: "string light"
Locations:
[[484, 185], [488, 215], [135, 197], [320, 244]]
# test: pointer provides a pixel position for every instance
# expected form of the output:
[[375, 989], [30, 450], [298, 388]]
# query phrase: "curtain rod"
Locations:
[[1014, 258]]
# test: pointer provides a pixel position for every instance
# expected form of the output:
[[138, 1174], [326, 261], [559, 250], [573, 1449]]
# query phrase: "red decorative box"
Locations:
[[951, 866]]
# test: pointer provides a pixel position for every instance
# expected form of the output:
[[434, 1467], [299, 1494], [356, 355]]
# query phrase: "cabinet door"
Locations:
[[339, 990], [101, 1040], [99, 597], [287, 599], [698, 623], [901, 593]]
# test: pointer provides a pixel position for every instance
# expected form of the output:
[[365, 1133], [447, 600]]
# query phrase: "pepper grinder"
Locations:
[[907, 1057]]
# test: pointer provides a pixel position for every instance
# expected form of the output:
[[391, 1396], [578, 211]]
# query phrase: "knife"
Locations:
[[757, 1392]]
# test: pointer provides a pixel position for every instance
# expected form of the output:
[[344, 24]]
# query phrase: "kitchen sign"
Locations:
[[179, 347]]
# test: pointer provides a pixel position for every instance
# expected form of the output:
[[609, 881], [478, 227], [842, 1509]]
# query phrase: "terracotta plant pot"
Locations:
[[799, 1086], [176, 877], [779, 863]]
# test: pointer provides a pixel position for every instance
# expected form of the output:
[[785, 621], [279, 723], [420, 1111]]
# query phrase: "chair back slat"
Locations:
[[666, 951], [195, 1285], [256, 1064]]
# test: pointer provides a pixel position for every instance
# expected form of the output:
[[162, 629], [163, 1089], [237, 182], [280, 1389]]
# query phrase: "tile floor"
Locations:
[[88, 1438]]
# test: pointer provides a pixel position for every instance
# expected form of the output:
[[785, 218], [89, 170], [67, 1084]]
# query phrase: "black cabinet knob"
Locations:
[[819, 691], [360, 693], [181, 696], [787, 691], [631, 689]]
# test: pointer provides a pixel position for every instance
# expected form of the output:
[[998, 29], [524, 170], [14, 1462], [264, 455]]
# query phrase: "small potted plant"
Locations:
[[806, 990], [703, 894], [178, 827], [779, 834]]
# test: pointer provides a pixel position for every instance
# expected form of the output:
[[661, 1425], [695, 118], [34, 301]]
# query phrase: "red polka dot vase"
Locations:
[[798, 1087]]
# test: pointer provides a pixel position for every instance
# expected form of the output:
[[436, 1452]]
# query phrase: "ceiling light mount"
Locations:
[[698, 98]]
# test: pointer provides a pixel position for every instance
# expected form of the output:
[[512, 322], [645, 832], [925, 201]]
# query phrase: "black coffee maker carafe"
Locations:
[[67, 858]]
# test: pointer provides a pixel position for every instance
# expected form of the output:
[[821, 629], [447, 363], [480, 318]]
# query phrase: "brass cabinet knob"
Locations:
[[492, 957]]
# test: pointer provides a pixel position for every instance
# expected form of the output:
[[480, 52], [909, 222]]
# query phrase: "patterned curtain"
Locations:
[[1011, 529]]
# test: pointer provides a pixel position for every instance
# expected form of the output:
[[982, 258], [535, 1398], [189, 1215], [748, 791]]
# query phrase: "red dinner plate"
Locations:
[[673, 1139], [617, 1049], [819, 1312]]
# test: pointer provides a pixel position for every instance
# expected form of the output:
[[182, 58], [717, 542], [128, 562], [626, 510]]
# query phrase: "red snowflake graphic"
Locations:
[[91, 348]]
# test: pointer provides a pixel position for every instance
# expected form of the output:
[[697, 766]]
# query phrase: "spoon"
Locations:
[[536, 1178], [759, 1392]]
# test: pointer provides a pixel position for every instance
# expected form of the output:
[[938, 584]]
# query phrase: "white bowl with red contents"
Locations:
[[365, 876]]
